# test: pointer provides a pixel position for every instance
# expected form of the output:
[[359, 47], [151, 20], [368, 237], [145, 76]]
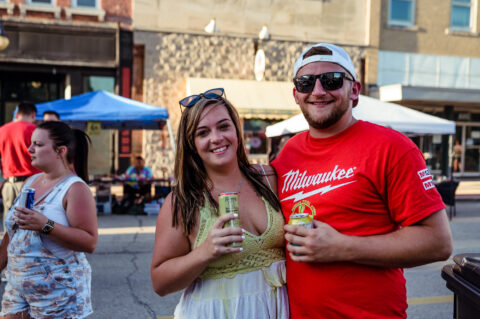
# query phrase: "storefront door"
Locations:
[[466, 149]]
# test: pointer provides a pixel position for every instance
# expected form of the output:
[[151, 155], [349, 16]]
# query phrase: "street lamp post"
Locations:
[[4, 42]]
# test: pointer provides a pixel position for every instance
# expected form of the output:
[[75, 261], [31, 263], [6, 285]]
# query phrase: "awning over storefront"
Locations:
[[431, 96], [264, 100]]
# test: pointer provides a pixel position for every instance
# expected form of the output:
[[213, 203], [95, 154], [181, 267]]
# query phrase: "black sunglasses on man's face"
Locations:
[[330, 81], [190, 101]]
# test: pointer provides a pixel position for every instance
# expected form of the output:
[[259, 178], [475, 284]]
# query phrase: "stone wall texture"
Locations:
[[170, 58]]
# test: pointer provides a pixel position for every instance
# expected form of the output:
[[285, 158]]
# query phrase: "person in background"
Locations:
[[192, 249], [276, 150], [137, 186], [48, 275], [457, 156], [50, 116], [15, 138], [374, 206]]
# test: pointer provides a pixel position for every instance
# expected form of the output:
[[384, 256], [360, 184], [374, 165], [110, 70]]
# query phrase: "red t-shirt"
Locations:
[[367, 180], [15, 138]]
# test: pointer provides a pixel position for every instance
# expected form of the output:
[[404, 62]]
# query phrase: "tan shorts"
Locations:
[[10, 191]]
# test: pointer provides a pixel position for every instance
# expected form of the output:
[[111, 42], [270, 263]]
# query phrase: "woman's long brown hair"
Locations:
[[191, 177]]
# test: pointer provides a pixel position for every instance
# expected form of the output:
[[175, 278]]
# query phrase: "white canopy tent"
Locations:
[[392, 115]]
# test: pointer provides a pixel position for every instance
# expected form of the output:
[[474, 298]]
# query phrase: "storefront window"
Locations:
[[457, 150], [255, 138], [472, 149], [99, 158], [94, 83], [33, 87], [42, 91], [436, 152], [432, 150]]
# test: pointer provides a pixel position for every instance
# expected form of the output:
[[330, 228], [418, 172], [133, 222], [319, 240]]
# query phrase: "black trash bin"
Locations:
[[463, 278]]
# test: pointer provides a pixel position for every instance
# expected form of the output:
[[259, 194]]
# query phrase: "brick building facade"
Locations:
[[61, 48], [176, 48], [426, 47]]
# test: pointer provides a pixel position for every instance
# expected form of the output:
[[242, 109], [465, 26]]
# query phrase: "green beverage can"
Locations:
[[228, 203], [300, 219]]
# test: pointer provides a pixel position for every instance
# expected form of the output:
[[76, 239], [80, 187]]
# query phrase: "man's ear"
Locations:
[[356, 88], [32, 117], [295, 94]]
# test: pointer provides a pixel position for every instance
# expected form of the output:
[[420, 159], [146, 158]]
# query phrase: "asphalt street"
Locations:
[[428, 297], [121, 285]]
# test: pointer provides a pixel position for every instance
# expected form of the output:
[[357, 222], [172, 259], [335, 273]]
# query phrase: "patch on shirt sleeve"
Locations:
[[428, 184], [424, 173]]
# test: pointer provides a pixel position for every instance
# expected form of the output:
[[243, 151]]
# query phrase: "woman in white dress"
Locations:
[[193, 250]]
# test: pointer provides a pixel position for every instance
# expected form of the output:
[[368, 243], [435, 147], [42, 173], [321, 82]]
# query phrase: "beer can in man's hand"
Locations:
[[228, 203], [300, 219], [27, 197]]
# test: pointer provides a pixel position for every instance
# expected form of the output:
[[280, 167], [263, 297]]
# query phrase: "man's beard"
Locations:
[[333, 117]]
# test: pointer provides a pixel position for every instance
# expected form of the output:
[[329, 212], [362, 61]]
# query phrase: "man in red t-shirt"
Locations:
[[375, 209], [15, 138]]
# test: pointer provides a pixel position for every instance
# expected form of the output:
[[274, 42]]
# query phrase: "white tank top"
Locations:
[[52, 208]]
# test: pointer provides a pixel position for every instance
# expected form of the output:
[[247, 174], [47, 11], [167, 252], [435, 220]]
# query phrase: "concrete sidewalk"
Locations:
[[468, 190]]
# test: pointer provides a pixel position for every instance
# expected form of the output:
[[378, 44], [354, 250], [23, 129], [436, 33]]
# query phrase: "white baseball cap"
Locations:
[[338, 56]]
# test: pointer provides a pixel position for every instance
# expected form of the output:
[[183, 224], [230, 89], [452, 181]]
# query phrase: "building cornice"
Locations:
[[35, 22], [245, 36]]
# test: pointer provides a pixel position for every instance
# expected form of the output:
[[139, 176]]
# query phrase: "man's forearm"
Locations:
[[424, 242]]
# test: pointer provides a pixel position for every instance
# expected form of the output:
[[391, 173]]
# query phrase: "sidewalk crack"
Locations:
[[133, 260]]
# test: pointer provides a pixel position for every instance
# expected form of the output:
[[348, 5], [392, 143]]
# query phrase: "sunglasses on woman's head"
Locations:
[[330, 81], [190, 101]]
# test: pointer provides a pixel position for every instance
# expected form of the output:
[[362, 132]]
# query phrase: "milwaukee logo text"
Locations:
[[295, 180]]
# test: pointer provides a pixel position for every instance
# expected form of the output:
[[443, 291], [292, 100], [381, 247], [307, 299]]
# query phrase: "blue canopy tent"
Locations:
[[113, 111], [110, 110]]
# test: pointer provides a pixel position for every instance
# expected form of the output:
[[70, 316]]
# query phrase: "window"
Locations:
[[417, 69], [84, 3], [255, 138], [40, 2], [460, 14], [402, 12], [94, 83]]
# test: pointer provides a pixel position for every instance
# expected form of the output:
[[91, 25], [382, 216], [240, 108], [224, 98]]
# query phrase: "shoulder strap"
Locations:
[[31, 179], [266, 177]]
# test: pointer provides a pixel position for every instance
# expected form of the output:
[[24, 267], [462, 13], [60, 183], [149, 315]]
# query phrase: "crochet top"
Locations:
[[258, 251]]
